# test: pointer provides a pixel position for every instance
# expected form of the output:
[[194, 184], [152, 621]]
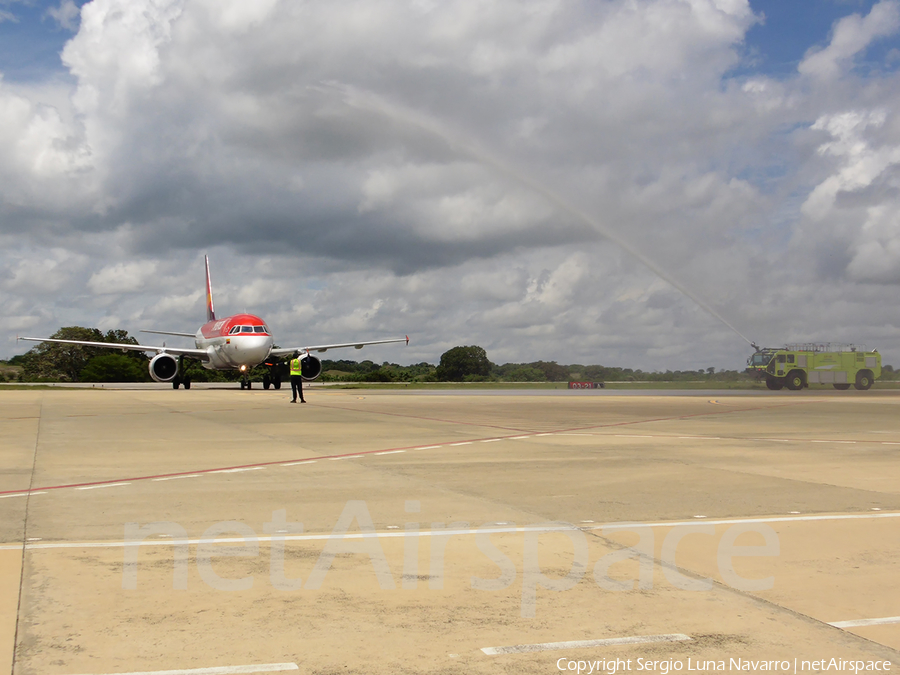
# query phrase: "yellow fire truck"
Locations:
[[798, 366]]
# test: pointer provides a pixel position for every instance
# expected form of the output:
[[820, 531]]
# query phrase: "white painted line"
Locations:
[[463, 443], [390, 452], [246, 468], [548, 434], [739, 521], [308, 461], [551, 527], [632, 436], [223, 670], [817, 441], [774, 440], [97, 487], [335, 459], [430, 447], [22, 494], [492, 440], [193, 475], [579, 644], [889, 443], [866, 622], [519, 438], [393, 527]]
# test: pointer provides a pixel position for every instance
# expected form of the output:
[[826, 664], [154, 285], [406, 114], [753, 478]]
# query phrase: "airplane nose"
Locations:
[[254, 348]]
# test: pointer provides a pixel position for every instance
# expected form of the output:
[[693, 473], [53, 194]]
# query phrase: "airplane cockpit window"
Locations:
[[234, 329], [259, 329], [246, 329]]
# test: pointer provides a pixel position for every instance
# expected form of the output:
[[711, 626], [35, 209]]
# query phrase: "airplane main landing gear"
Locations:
[[272, 380], [179, 379], [185, 381]]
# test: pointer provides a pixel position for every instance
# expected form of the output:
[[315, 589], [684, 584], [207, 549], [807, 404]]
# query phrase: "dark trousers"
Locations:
[[296, 387]]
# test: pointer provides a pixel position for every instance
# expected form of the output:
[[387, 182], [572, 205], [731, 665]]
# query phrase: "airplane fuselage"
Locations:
[[235, 341]]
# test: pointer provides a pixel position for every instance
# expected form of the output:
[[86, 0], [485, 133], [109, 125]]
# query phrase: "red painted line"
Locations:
[[371, 452]]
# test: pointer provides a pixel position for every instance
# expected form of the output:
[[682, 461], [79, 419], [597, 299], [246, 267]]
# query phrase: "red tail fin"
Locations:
[[210, 310]]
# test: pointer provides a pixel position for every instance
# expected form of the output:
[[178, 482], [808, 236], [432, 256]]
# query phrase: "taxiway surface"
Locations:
[[158, 530]]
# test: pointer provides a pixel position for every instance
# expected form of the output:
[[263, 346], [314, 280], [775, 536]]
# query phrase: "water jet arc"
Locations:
[[371, 102]]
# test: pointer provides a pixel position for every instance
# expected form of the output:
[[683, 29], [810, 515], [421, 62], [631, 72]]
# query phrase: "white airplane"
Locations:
[[238, 342]]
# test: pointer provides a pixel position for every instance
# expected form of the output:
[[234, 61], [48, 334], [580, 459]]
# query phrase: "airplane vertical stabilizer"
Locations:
[[210, 310]]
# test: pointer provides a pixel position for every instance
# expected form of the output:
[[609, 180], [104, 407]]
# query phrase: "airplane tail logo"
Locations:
[[210, 310]]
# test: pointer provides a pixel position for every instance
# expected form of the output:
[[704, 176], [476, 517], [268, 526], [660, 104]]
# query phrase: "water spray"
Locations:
[[366, 100]]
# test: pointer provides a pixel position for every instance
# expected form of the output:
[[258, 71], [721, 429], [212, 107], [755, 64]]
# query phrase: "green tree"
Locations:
[[54, 361], [380, 375], [50, 360], [552, 370], [525, 373], [459, 362], [113, 368]]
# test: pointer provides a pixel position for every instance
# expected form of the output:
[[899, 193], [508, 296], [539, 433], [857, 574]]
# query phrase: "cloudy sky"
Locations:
[[607, 181]]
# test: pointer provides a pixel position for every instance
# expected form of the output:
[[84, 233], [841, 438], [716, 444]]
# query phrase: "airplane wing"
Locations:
[[200, 354], [168, 332], [285, 351]]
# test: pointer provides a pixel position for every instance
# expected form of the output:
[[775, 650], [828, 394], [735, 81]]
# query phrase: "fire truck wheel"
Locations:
[[795, 380], [863, 380], [774, 383], [842, 387]]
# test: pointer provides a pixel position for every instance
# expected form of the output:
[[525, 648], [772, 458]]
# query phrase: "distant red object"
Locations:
[[586, 385]]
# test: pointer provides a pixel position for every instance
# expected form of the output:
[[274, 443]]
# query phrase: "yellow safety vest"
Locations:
[[296, 367]]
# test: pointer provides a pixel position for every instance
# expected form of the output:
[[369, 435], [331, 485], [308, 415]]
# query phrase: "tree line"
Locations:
[[54, 362], [471, 364]]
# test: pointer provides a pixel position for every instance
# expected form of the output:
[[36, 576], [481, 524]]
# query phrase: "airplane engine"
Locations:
[[163, 367], [310, 368]]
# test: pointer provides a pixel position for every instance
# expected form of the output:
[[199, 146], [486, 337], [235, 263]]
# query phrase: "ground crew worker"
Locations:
[[297, 378]]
